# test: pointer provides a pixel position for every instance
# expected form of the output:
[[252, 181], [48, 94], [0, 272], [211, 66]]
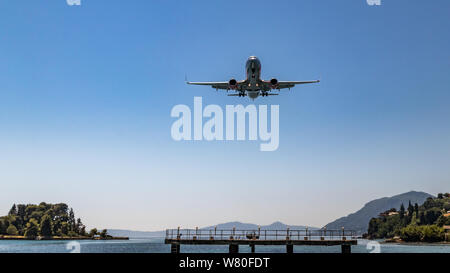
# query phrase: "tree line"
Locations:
[[45, 220], [416, 223]]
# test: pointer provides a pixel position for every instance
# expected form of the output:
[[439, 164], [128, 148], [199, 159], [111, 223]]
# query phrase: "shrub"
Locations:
[[414, 233], [12, 230], [31, 230], [432, 233], [410, 233]]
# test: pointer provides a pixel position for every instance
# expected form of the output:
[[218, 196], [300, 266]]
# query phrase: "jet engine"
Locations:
[[233, 84], [274, 83]]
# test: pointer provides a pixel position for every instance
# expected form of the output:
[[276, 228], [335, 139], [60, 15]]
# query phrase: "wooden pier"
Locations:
[[233, 238]]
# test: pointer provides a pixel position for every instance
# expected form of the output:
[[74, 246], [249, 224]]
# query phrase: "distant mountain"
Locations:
[[229, 225], [239, 225], [359, 220], [135, 234]]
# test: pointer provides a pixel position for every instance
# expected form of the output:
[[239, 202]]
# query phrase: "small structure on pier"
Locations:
[[233, 238]]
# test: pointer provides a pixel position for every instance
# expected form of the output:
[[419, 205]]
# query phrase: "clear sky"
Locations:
[[86, 93]]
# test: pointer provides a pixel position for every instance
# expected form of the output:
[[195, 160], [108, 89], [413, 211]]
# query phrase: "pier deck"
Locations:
[[234, 238]]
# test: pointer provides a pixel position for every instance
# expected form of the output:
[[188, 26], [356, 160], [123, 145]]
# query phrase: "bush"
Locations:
[[443, 221], [93, 232], [432, 233], [31, 230], [104, 234], [12, 230], [46, 226], [414, 233], [410, 233]]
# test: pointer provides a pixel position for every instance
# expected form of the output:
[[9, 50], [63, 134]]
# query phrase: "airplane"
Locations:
[[253, 86]]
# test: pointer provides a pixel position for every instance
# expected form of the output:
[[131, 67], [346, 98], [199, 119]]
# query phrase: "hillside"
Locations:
[[359, 220], [415, 223]]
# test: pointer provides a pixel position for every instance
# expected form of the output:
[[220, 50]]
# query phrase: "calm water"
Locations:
[[156, 245]]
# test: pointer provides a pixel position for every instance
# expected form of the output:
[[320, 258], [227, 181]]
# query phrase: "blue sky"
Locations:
[[86, 93]]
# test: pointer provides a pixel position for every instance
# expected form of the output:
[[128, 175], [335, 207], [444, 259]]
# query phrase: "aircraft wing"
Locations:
[[217, 85], [289, 84]]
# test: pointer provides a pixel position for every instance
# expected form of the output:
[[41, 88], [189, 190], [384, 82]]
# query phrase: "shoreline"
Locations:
[[387, 241], [55, 238]]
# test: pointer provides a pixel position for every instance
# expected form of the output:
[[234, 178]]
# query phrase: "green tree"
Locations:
[[432, 233], [402, 211], [372, 231], [2, 227], [31, 230], [447, 206], [64, 229], [410, 209], [21, 218], [443, 221], [93, 232], [50, 219], [83, 230], [422, 218], [414, 219], [21, 211], [12, 230], [410, 233], [71, 220], [37, 215], [6, 223], [78, 226], [46, 226], [431, 215], [104, 234], [13, 210]]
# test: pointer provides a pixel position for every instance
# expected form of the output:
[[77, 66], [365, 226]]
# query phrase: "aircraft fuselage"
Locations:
[[253, 81]]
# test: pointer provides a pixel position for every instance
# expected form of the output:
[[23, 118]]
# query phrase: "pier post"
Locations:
[[289, 248], [252, 248], [175, 248], [346, 248], [234, 248]]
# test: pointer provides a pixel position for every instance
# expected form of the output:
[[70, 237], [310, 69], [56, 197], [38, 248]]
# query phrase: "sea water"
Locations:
[[156, 245]]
